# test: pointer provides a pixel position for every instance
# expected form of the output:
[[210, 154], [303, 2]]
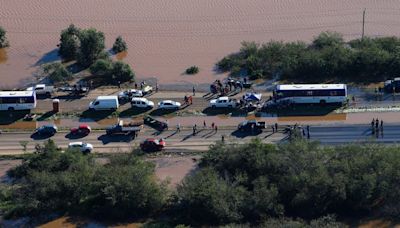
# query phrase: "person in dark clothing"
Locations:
[[194, 91], [135, 85], [216, 128], [276, 127], [204, 124], [382, 125], [194, 129], [376, 123]]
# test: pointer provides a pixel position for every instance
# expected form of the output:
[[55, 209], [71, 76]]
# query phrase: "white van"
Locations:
[[139, 102], [104, 103]]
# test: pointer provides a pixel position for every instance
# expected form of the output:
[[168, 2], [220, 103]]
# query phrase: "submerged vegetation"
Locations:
[[3, 38], [192, 70], [253, 183], [327, 59], [119, 45]]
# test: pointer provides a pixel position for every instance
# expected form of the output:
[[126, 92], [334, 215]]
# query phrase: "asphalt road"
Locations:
[[184, 141], [355, 133]]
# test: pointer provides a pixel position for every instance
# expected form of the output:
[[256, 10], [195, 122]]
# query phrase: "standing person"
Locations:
[[222, 138], [372, 124], [212, 126], [376, 123], [119, 84], [273, 129], [194, 129], [216, 128], [194, 91], [204, 124], [135, 85], [382, 125], [308, 129], [156, 87], [304, 132], [166, 121], [178, 127], [276, 127]]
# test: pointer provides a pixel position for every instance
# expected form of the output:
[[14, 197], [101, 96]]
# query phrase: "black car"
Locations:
[[46, 130], [154, 123]]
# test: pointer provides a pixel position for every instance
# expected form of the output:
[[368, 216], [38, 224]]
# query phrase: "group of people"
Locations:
[[376, 126], [226, 88], [304, 132]]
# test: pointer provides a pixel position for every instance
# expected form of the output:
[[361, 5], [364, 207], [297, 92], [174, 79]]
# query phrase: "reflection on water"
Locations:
[[122, 55], [3, 55]]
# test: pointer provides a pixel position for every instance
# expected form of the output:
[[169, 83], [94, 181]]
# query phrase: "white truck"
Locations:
[[223, 102], [104, 103], [42, 90]]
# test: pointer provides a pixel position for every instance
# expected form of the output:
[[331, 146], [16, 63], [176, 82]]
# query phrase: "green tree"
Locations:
[[119, 45], [69, 42], [91, 46], [122, 72], [3, 38]]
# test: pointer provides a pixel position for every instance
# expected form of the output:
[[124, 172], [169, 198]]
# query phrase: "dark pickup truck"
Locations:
[[122, 128], [154, 123], [251, 125]]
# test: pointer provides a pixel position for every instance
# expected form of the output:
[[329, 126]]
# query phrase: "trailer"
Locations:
[[121, 128]]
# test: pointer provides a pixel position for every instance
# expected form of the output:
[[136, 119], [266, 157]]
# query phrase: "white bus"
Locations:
[[311, 93], [17, 100]]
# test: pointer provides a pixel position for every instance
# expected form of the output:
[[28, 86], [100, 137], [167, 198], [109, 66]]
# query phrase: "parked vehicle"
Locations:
[[46, 130], [83, 147], [223, 102], [82, 129], [141, 103], [147, 89], [121, 128], [104, 103], [154, 123], [168, 104], [391, 86], [151, 145], [42, 89], [129, 94], [17, 100], [251, 125]]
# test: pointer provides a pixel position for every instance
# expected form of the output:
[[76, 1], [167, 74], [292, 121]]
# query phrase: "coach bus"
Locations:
[[311, 93], [17, 100]]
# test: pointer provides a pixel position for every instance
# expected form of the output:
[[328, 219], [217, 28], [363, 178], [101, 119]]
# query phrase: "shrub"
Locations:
[[122, 72], [119, 45], [57, 73], [3, 38], [192, 70], [50, 181]]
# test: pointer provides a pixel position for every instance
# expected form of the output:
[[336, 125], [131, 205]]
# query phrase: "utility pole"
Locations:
[[363, 25]]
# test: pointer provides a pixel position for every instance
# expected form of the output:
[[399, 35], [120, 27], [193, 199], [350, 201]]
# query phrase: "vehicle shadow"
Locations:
[[105, 139], [243, 134], [9, 117], [96, 115], [161, 112], [75, 136], [224, 111], [46, 116], [36, 136], [133, 112]]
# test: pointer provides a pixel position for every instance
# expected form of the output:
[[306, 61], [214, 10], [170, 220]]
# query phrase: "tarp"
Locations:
[[252, 96]]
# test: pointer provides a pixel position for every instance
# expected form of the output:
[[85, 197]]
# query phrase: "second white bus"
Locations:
[[311, 93], [17, 100]]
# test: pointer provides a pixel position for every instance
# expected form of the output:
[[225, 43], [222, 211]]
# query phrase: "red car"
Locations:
[[151, 144], [82, 129]]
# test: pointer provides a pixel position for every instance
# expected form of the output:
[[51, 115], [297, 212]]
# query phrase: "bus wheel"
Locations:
[[322, 102], [10, 109]]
